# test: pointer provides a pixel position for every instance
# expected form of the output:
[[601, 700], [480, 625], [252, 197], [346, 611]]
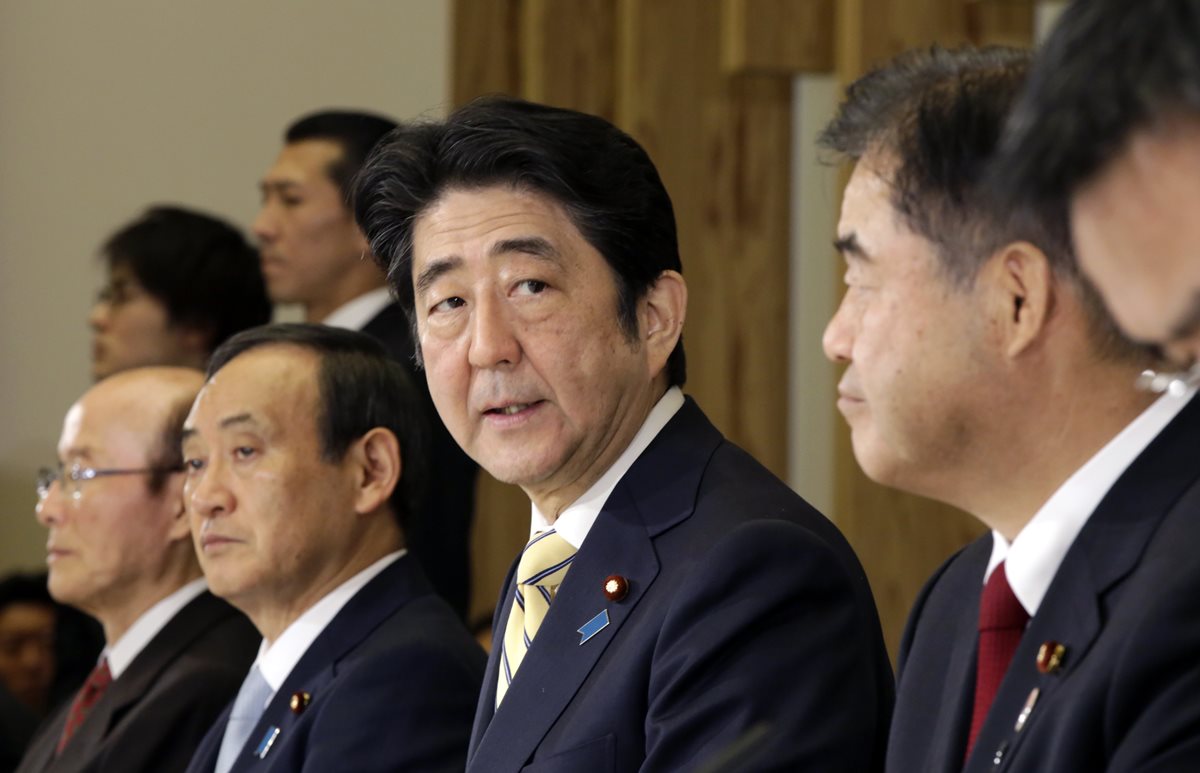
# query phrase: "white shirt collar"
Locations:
[[356, 313], [277, 660], [1033, 558], [123, 651], [574, 523]]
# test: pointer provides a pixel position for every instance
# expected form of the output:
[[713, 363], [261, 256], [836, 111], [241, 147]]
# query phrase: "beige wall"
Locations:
[[107, 107]]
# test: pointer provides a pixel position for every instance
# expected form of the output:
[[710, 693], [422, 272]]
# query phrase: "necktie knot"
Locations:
[[545, 560], [999, 608]]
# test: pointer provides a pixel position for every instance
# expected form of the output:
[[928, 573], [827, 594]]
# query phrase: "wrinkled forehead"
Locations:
[[271, 387]]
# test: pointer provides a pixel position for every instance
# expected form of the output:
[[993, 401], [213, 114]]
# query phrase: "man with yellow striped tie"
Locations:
[[675, 597]]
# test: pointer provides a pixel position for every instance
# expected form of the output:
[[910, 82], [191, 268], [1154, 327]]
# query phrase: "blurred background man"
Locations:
[[119, 548], [179, 283], [1109, 127], [304, 463], [314, 254]]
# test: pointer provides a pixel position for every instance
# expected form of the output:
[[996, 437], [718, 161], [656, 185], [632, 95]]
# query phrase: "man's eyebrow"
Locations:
[[849, 247], [229, 421], [533, 246], [433, 272], [279, 185]]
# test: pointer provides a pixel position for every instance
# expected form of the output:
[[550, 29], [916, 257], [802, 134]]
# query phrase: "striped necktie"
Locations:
[[91, 692], [544, 564]]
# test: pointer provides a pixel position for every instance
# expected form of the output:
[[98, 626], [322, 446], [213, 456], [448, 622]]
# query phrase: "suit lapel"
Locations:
[[656, 493], [487, 696], [1106, 552], [379, 599], [949, 735], [193, 620]]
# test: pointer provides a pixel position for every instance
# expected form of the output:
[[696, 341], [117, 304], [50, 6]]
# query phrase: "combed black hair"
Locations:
[[936, 116], [352, 131], [602, 178], [199, 267], [1108, 68], [360, 387]]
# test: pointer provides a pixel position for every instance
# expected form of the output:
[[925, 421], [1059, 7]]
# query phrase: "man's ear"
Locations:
[[377, 464], [180, 528], [663, 310], [1022, 283]]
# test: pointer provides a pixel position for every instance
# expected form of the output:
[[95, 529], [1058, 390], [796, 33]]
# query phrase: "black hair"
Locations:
[[360, 387], [20, 588], [937, 116], [602, 178], [354, 132], [1109, 68], [199, 267]]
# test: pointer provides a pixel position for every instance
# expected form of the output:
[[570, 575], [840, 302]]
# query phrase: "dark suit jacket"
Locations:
[[745, 606], [440, 535], [392, 681], [153, 716], [1126, 605]]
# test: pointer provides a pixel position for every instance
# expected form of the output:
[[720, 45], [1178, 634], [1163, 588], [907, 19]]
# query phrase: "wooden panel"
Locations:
[[869, 32], [722, 146], [485, 57], [776, 36], [567, 54], [486, 60], [900, 538]]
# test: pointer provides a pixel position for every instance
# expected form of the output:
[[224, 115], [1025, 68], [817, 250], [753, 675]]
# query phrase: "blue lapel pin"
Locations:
[[594, 626], [264, 745]]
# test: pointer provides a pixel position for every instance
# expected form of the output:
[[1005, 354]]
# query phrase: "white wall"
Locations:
[[108, 107]]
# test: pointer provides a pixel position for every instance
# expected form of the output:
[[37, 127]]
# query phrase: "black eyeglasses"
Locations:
[[72, 478]]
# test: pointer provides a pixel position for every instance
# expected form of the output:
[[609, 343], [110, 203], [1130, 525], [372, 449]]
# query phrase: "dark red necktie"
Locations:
[[1002, 620], [97, 682]]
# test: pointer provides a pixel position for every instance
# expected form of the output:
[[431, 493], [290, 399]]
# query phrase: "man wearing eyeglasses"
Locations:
[[119, 548]]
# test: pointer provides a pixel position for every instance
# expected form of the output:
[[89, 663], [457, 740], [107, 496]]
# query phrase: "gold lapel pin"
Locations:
[[1050, 657], [299, 702]]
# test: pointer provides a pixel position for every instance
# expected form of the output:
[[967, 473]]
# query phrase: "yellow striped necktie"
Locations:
[[544, 564]]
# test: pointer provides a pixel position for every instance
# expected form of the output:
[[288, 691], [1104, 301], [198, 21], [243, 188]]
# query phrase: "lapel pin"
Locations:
[[264, 745], [1023, 717], [593, 626], [616, 587], [1050, 657], [299, 702]]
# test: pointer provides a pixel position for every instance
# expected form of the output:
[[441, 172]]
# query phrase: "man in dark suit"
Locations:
[[313, 254], [120, 549], [303, 456], [675, 599], [1109, 124], [983, 371]]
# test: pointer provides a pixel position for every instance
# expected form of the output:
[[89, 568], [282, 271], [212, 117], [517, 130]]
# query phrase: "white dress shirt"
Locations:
[[277, 659], [123, 651], [356, 313], [1033, 558], [574, 523]]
